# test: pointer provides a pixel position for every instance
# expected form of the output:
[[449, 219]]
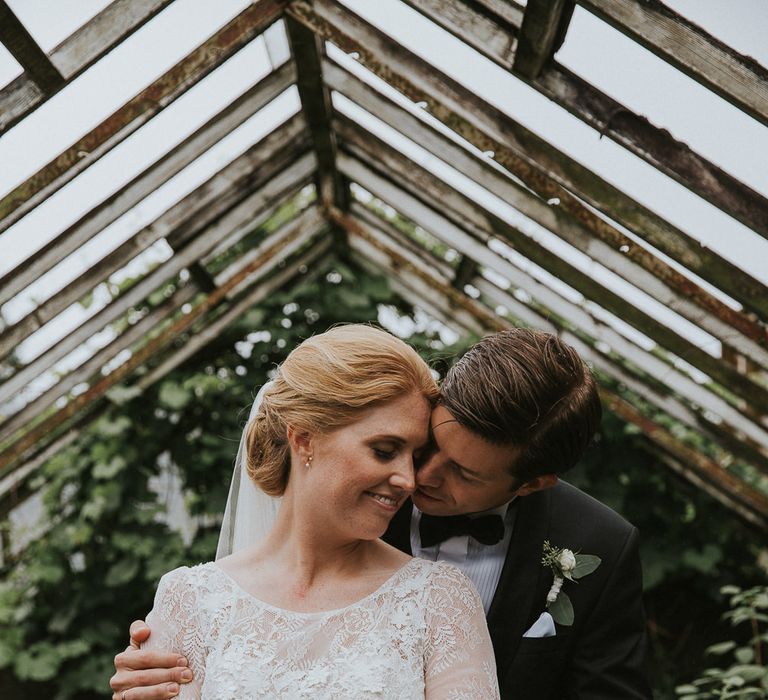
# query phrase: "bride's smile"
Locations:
[[360, 474]]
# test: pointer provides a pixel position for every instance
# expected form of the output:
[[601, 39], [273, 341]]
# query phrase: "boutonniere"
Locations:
[[565, 565]]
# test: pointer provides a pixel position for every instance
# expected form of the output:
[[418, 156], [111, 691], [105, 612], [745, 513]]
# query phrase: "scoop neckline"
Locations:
[[318, 613]]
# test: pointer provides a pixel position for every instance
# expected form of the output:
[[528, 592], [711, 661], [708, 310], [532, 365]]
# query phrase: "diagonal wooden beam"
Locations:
[[426, 195], [452, 227], [74, 160], [218, 210], [27, 415], [262, 286], [545, 23], [531, 159], [19, 447], [717, 270], [269, 158], [550, 311], [489, 35], [746, 500], [308, 52], [739, 496], [142, 107], [35, 62], [258, 290], [739, 79], [78, 52]]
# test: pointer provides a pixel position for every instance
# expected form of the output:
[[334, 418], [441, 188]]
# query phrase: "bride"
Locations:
[[316, 605]]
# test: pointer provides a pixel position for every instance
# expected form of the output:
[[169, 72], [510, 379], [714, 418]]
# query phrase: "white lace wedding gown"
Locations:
[[421, 634]]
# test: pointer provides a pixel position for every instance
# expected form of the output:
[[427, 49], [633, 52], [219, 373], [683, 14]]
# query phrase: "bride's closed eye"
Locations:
[[382, 454]]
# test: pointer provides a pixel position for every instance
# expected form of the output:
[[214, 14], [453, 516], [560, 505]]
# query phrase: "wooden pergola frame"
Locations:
[[485, 290]]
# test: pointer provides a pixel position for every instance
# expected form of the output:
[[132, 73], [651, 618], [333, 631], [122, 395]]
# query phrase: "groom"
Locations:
[[516, 411]]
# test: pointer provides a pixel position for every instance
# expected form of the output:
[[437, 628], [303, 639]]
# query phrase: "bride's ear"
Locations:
[[300, 442]]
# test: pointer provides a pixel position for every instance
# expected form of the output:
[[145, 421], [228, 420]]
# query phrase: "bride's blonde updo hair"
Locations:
[[323, 385]]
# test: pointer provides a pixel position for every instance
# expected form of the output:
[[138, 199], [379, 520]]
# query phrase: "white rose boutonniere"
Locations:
[[565, 565]]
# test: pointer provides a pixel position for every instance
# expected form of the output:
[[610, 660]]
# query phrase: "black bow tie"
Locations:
[[486, 529]]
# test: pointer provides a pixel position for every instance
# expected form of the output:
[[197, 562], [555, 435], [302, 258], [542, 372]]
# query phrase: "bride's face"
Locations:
[[362, 473]]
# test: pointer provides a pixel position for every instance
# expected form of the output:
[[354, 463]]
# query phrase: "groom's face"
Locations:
[[462, 472]]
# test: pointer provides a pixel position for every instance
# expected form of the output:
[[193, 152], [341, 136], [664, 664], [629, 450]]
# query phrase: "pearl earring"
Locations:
[[308, 463]]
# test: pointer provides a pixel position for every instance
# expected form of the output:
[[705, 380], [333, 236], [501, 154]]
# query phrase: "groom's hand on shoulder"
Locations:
[[147, 675]]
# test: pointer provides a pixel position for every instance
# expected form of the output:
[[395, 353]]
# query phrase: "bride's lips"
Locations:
[[385, 501]]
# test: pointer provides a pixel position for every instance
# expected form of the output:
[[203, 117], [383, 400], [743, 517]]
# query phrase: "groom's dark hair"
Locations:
[[528, 389]]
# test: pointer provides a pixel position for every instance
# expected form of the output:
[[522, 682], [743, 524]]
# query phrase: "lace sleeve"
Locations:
[[175, 624], [459, 662]]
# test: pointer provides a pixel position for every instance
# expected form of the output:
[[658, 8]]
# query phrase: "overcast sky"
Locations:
[[592, 49]]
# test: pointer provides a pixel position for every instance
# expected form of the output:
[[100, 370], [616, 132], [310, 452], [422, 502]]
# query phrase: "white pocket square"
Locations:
[[543, 627]]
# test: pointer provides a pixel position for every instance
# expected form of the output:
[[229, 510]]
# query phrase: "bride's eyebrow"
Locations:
[[399, 439]]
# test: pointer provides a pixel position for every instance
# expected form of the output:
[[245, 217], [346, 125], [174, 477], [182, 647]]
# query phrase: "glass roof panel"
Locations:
[[628, 172], [549, 240], [741, 24], [50, 23], [107, 85], [162, 133], [9, 67], [235, 143], [650, 86]]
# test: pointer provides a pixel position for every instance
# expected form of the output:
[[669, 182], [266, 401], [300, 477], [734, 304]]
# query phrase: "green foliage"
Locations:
[[66, 601], [747, 675]]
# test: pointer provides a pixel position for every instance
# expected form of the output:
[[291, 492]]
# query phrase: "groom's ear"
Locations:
[[300, 442], [539, 483]]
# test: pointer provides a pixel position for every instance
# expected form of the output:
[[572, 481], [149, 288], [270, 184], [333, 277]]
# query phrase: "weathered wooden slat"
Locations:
[[749, 504], [35, 62], [16, 450], [308, 50], [405, 245], [77, 52], [138, 110], [543, 30], [633, 131], [310, 221], [729, 485], [737, 78], [734, 281], [496, 35], [443, 198], [127, 338], [683, 470], [14, 489], [216, 205], [146, 182], [528, 157], [453, 231], [271, 153], [258, 291], [405, 273], [623, 370]]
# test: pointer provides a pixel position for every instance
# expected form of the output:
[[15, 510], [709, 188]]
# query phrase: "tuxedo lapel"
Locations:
[[516, 601], [398, 533]]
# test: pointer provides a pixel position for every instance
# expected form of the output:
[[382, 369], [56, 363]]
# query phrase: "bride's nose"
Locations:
[[403, 475]]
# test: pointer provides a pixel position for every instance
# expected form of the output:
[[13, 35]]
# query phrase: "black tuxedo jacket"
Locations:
[[601, 656]]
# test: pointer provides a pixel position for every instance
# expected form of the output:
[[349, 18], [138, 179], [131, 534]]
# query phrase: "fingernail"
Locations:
[[182, 662], [186, 675], [173, 688]]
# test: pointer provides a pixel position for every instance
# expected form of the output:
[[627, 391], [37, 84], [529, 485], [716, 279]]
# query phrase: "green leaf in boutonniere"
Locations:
[[565, 565]]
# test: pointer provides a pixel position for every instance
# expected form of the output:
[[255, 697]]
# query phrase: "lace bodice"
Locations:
[[421, 634]]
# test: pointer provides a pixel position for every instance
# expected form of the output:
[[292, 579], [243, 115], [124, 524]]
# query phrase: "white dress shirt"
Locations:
[[481, 563]]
